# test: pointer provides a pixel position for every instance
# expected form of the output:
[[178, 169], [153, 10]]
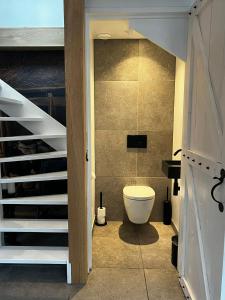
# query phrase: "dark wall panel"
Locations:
[[32, 69]]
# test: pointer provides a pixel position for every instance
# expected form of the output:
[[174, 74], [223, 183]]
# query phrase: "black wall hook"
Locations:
[[221, 180]]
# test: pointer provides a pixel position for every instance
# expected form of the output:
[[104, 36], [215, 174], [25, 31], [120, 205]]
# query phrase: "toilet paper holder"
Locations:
[[100, 219]]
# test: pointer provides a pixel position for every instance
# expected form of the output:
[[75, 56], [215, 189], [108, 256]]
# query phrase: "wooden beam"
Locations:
[[76, 136], [29, 38]]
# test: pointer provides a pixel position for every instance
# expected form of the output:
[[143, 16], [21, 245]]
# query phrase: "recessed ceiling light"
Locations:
[[104, 36]]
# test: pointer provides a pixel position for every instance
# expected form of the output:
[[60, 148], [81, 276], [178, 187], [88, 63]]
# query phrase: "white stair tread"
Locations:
[[37, 177], [33, 225], [31, 137], [47, 155], [20, 119], [38, 200], [4, 100], [33, 255]]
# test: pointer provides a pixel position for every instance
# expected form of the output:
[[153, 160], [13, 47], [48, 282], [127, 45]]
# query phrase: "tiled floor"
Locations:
[[132, 262], [129, 263]]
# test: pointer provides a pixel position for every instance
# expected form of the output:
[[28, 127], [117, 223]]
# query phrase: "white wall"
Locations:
[[177, 129], [92, 121], [168, 33]]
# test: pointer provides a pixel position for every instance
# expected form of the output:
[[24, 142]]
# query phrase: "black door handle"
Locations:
[[221, 180]]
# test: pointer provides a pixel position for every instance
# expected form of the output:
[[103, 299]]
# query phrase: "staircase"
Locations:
[[43, 127]]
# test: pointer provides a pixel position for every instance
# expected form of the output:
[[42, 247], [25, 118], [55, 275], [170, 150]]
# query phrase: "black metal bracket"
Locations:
[[221, 180], [86, 157]]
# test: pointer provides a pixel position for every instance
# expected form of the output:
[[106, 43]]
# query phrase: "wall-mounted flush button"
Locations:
[[137, 141]]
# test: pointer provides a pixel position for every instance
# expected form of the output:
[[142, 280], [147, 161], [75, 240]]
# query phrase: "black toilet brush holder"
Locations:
[[167, 210]]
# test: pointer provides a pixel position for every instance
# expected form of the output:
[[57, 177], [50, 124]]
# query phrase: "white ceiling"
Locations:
[[118, 29]]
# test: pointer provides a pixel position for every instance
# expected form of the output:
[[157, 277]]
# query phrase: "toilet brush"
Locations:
[[101, 214], [167, 210]]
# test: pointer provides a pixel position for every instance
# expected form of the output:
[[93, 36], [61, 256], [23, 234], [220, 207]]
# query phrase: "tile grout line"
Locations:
[[137, 105], [146, 287]]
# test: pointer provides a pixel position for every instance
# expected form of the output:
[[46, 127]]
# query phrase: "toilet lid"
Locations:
[[138, 192]]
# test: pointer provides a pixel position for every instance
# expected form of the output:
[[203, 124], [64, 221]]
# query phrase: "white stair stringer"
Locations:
[[44, 137], [42, 127], [26, 109], [60, 199], [6, 100], [62, 175], [37, 156], [20, 119]]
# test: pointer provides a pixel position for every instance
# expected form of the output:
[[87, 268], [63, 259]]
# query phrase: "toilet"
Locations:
[[138, 201]]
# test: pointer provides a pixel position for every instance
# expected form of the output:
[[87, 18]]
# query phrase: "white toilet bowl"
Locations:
[[138, 201]]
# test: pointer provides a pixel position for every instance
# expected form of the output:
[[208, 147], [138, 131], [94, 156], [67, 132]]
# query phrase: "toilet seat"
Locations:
[[138, 193]]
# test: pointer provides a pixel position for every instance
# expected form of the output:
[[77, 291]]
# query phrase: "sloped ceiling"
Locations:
[[149, 5], [118, 29]]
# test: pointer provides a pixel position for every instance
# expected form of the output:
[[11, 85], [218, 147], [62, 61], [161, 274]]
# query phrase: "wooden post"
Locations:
[[76, 137]]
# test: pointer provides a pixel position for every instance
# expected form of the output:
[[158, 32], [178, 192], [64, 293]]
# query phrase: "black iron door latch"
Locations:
[[221, 180]]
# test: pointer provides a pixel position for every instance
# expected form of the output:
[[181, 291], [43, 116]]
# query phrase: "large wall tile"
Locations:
[[116, 105], [112, 188], [156, 105], [149, 161], [112, 156], [134, 93], [160, 187], [116, 60], [156, 63]]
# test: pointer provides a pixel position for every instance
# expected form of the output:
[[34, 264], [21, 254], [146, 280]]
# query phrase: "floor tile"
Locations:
[[121, 251], [116, 246], [163, 230], [163, 285], [109, 252], [36, 291], [125, 231], [114, 284], [155, 245], [157, 255], [34, 282]]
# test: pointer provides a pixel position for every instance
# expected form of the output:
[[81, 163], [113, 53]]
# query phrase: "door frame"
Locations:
[[74, 11], [89, 17], [77, 50]]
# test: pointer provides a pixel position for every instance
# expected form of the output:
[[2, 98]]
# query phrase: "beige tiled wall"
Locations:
[[134, 94]]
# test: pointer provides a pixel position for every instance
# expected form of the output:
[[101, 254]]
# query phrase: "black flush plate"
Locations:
[[137, 141]]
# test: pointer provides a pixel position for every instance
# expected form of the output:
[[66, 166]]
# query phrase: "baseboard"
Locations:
[[93, 223], [175, 228]]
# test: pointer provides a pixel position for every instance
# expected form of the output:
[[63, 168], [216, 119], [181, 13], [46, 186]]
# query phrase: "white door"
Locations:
[[202, 226]]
